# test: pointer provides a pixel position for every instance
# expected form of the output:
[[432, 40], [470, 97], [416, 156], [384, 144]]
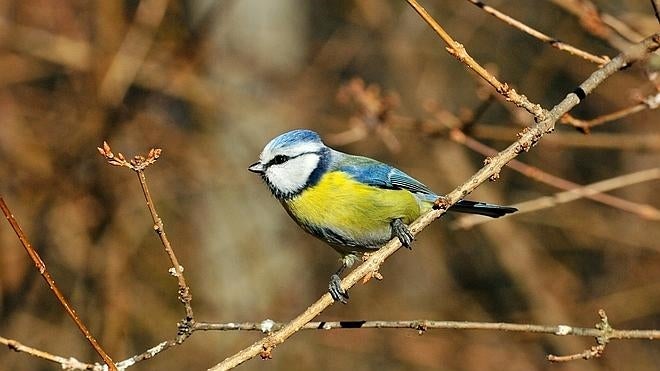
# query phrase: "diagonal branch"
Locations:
[[555, 43], [458, 51], [587, 191], [642, 210], [41, 267], [651, 102], [139, 164], [133, 51]]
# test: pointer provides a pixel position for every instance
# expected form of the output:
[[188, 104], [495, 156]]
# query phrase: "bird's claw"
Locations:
[[402, 232], [337, 293]]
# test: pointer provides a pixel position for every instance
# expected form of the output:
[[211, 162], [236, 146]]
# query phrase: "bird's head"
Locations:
[[291, 162]]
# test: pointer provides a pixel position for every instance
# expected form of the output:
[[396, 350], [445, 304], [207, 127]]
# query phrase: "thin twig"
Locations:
[[595, 351], [532, 172], [444, 120], [66, 363], [528, 138], [649, 212], [651, 102], [148, 354], [138, 164], [41, 267], [600, 24], [423, 325], [184, 290], [555, 43], [130, 56], [620, 141], [458, 51]]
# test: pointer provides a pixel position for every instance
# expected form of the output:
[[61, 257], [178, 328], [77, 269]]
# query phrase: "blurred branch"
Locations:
[[600, 24], [139, 164], [374, 113], [643, 211], [555, 43], [458, 51], [651, 102], [646, 211], [62, 50], [77, 54], [41, 267], [528, 138], [624, 142], [656, 9], [133, 51]]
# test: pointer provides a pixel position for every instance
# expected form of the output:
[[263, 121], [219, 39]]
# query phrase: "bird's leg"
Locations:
[[337, 293], [400, 230]]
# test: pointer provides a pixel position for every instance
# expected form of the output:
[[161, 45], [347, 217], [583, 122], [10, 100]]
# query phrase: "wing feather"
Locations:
[[378, 174]]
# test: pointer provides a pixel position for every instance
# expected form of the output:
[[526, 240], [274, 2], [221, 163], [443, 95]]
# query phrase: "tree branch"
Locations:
[[139, 164], [555, 43], [458, 51], [41, 267]]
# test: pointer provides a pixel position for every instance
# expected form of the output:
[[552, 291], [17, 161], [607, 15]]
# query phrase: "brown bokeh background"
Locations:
[[211, 82]]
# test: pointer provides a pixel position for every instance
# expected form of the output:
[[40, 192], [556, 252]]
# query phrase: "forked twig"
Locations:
[[651, 102], [588, 191], [138, 164], [572, 189]]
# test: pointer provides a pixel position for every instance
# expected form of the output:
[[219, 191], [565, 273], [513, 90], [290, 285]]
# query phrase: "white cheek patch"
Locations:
[[291, 176]]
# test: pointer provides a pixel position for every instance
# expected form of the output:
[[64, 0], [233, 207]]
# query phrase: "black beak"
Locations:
[[257, 167]]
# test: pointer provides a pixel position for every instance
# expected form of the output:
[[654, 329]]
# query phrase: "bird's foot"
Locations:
[[337, 293], [402, 232]]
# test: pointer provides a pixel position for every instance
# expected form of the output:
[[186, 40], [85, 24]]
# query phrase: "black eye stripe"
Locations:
[[280, 159]]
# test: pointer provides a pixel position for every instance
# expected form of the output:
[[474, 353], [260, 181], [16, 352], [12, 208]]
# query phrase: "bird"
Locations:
[[353, 203]]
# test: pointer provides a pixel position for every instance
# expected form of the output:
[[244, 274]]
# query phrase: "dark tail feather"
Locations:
[[482, 208]]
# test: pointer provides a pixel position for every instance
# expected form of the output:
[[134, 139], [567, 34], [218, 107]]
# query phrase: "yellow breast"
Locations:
[[353, 210]]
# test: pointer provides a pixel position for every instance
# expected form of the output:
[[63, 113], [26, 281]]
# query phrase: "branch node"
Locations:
[[605, 328], [442, 203], [175, 272], [185, 328], [421, 327], [138, 163], [370, 275], [267, 352]]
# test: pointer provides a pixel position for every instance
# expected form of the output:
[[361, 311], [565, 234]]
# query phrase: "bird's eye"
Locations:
[[279, 159]]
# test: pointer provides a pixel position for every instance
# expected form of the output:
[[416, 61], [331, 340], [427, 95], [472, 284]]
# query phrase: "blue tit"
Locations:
[[353, 203]]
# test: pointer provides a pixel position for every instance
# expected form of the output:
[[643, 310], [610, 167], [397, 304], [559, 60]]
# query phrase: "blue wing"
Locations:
[[378, 174]]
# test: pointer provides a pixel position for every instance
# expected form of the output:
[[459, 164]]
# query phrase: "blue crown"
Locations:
[[294, 137]]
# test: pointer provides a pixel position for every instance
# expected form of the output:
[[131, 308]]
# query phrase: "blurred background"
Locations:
[[211, 82]]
